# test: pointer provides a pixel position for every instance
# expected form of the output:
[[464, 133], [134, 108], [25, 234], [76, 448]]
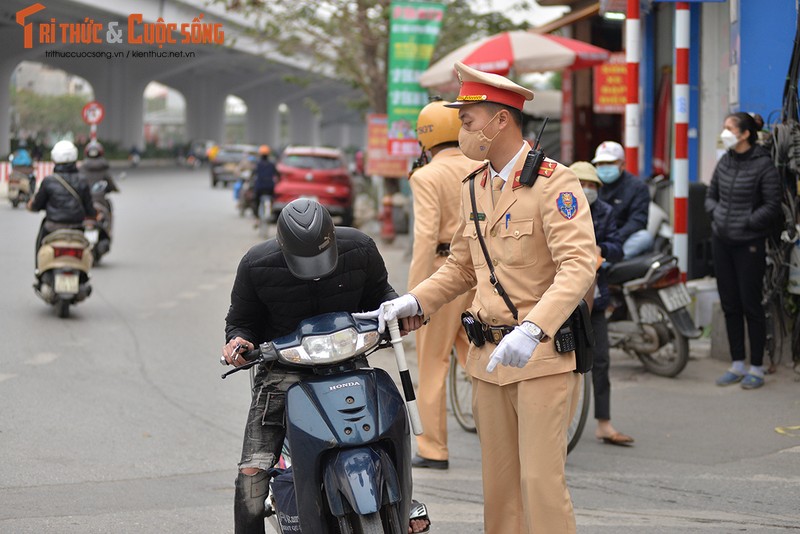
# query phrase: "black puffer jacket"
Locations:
[[61, 206], [744, 197], [630, 199], [267, 301], [96, 169]]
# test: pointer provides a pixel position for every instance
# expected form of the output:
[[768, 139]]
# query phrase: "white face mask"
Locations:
[[591, 194], [728, 139]]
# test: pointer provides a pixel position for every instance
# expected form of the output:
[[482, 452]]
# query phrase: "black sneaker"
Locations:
[[419, 461]]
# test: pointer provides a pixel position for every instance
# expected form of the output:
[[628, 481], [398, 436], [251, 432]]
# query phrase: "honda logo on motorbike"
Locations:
[[345, 385]]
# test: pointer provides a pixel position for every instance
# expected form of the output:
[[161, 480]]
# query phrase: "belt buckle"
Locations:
[[497, 335]]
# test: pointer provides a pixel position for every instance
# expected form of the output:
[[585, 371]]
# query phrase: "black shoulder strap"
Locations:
[[68, 187], [492, 276]]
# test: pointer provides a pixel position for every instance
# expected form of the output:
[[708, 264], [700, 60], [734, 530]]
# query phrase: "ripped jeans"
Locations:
[[263, 439]]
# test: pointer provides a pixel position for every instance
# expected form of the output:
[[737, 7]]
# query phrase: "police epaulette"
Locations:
[[477, 171]]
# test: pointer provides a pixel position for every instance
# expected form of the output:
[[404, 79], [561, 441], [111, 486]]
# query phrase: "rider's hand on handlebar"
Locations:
[[409, 324], [399, 308], [235, 347]]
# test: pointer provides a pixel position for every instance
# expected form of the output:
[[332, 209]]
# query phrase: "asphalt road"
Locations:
[[116, 420]]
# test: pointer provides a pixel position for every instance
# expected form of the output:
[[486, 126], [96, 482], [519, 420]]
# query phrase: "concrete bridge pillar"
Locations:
[[304, 125], [6, 69], [263, 118], [205, 109], [120, 89]]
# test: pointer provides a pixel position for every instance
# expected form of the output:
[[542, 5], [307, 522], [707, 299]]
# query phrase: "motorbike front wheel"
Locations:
[[672, 354], [361, 524]]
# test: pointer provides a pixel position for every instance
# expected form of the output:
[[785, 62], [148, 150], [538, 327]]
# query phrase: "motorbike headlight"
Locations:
[[330, 348]]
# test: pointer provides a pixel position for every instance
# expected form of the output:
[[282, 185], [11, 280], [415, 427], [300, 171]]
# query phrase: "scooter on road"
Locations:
[[347, 428], [62, 278]]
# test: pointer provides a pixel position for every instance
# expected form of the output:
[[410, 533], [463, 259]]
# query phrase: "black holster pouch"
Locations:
[[473, 329], [576, 334]]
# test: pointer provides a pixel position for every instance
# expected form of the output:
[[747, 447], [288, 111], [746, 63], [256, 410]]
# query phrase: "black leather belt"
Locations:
[[443, 249], [494, 334]]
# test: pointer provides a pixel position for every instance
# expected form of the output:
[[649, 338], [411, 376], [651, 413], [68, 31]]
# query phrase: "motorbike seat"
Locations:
[[633, 268], [70, 236]]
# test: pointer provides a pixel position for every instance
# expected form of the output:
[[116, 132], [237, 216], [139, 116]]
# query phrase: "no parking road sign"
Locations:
[[93, 113]]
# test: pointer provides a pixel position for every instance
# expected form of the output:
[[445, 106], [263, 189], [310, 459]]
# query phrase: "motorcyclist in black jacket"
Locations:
[[64, 195], [309, 268], [95, 166]]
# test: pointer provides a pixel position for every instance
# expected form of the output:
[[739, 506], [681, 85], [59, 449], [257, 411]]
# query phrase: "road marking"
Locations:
[[188, 295], [6, 377], [42, 358]]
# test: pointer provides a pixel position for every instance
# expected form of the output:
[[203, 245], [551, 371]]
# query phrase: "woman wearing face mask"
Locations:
[[609, 250], [743, 201]]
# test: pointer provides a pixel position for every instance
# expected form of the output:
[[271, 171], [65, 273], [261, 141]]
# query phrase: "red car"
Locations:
[[317, 173]]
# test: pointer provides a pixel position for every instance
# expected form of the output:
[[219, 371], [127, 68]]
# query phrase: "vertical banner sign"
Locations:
[[379, 162], [609, 85], [413, 31]]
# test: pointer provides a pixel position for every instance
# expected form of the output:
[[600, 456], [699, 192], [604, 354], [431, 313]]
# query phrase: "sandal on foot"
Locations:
[[752, 381], [419, 512], [729, 378], [618, 438]]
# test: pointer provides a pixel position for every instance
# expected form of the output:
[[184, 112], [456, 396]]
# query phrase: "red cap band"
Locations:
[[481, 92]]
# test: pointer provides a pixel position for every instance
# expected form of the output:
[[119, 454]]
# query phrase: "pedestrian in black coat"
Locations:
[[744, 203]]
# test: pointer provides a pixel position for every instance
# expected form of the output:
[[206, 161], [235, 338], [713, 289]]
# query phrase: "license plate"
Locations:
[[66, 283], [675, 297], [92, 236]]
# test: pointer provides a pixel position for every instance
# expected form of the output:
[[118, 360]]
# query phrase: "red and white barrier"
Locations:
[[40, 168], [680, 168], [632, 32]]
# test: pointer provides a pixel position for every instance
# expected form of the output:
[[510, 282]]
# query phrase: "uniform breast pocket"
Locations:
[[516, 242], [471, 235]]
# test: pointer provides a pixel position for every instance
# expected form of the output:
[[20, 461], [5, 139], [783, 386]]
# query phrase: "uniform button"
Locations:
[[494, 233], [516, 233], [495, 262], [494, 320], [474, 233]]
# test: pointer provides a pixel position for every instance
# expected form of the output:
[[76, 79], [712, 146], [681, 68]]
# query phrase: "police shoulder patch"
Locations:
[[477, 171], [547, 168], [516, 184], [567, 205]]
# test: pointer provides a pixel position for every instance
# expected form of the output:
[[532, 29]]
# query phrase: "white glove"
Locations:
[[516, 348], [405, 306]]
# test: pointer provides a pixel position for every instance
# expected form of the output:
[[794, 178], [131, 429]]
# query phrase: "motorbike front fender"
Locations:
[[360, 477]]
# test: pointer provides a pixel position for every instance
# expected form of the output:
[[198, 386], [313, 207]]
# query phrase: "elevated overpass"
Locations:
[[205, 73]]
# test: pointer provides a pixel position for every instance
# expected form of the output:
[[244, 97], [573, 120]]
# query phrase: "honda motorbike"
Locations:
[[649, 317], [347, 428], [100, 236], [21, 185], [62, 278]]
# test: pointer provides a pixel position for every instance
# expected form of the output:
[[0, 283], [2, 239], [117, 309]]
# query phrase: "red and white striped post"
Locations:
[[680, 168], [632, 32]]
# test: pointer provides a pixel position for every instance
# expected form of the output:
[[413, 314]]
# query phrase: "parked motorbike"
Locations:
[[346, 426], [649, 319], [64, 260], [100, 236]]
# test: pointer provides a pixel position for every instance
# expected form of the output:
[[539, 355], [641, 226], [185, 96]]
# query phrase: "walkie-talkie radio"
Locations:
[[533, 161]]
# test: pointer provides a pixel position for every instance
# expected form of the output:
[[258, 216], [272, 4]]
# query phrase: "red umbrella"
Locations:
[[521, 51]]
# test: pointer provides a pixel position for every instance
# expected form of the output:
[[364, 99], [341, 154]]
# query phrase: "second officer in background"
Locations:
[[437, 200]]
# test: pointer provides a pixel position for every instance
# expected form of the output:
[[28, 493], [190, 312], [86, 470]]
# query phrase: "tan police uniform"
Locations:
[[436, 189], [541, 241]]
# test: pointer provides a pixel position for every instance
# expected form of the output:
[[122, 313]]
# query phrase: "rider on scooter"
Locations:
[[95, 166], [64, 194], [309, 268]]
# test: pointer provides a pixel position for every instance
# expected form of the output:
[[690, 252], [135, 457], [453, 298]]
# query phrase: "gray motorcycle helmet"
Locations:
[[307, 238]]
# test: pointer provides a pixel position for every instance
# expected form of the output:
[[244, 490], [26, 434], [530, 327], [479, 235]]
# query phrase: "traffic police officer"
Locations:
[[542, 247], [437, 202]]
